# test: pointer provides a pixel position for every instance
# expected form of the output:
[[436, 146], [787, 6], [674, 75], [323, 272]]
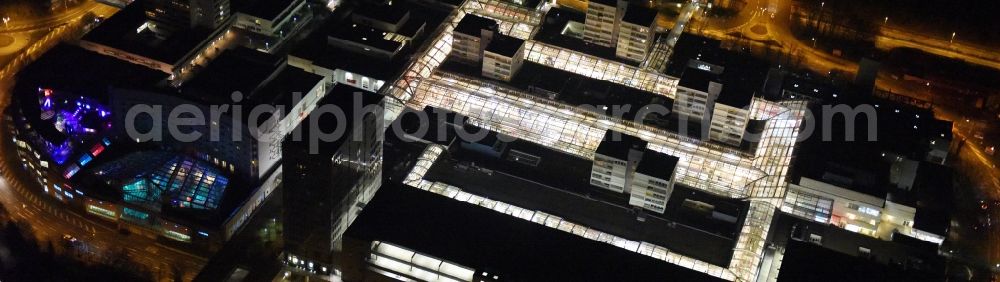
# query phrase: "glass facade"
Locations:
[[514, 20], [598, 68], [402, 261], [187, 182], [808, 206], [430, 155], [714, 168], [722, 170]]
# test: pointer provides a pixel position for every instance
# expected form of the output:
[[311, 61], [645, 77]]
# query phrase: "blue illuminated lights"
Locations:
[[153, 176], [85, 159], [71, 171], [132, 214], [75, 120], [60, 153]]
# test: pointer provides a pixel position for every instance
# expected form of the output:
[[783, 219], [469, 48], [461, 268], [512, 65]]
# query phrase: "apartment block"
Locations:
[[615, 161], [635, 34], [472, 35], [503, 57], [696, 93], [653, 181], [602, 22]]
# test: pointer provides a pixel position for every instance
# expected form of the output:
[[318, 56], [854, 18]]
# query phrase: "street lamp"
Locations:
[[886, 21], [5, 21], [952, 41], [814, 42]]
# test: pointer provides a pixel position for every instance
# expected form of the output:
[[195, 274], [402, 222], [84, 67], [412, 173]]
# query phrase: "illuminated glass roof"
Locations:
[[156, 178]]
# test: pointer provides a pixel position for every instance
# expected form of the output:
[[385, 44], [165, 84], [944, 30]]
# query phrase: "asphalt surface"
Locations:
[[50, 220]]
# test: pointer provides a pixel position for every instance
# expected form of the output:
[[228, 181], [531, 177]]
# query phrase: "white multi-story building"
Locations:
[[728, 122], [635, 34], [653, 181], [181, 14], [503, 57], [274, 21], [697, 91], [719, 98], [615, 161], [472, 34], [269, 17], [601, 24], [876, 216], [824, 202]]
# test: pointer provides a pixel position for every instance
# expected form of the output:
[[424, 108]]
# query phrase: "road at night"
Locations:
[[774, 17], [57, 27], [734, 181], [49, 221], [22, 25], [48, 218]]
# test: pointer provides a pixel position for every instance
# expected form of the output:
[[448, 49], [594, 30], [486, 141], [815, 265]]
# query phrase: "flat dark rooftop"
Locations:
[[90, 74], [515, 249], [934, 188], [804, 261], [841, 246], [550, 32], [386, 13], [742, 79], [504, 45], [452, 3], [279, 92], [438, 128], [119, 32], [264, 9], [238, 69], [908, 132], [365, 35], [617, 144], [343, 96], [811, 88], [697, 79], [576, 90], [865, 177], [639, 15], [472, 24], [317, 49], [611, 3], [657, 164], [412, 28], [571, 197], [690, 46], [531, 4]]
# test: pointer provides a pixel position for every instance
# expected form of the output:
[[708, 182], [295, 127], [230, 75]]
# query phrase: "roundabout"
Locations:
[[6, 40], [12, 43], [759, 30]]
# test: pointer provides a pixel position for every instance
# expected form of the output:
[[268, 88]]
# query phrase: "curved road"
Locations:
[[49, 218], [20, 25]]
